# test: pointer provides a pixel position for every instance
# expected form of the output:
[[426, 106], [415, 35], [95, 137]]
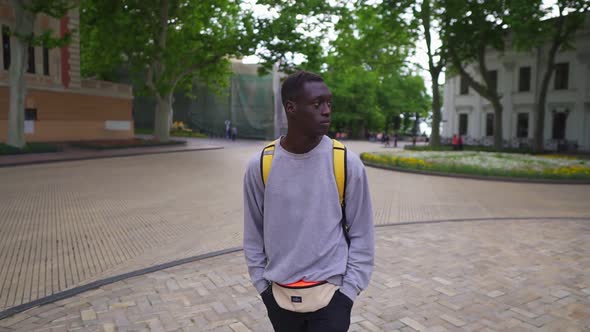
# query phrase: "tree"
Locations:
[[166, 44], [296, 31], [26, 12], [436, 63], [366, 68], [535, 33], [470, 28]]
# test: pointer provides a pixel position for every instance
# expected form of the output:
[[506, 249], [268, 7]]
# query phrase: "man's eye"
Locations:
[[329, 104], [317, 104]]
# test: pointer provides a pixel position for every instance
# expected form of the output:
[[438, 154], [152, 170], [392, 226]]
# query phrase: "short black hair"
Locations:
[[293, 85]]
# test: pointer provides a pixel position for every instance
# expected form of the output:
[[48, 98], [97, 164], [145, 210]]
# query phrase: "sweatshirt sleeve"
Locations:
[[359, 215], [253, 224]]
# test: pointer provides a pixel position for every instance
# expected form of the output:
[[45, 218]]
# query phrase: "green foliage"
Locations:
[[165, 44], [294, 28], [122, 144], [174, 133], [366, 69], [184, 133], [29, 148], [53, 8]]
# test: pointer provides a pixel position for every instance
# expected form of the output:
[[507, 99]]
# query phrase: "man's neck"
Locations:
[[300, 144]]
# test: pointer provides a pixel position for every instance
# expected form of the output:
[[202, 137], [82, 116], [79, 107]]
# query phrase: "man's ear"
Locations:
[[290, 108]]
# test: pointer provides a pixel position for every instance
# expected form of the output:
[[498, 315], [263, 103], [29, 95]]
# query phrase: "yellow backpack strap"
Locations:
[[339, 151], [266, 160]]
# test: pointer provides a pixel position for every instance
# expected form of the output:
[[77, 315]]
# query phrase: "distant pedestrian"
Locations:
[[234, 133], [460, 142], [227, 129], [455, 142]]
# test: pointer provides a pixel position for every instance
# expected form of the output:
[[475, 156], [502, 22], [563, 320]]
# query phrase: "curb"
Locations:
[[103, 282], [131, 154], [458, 220], [477, 177]]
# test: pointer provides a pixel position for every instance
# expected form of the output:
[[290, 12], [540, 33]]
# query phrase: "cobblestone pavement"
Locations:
[[66, 224], [507, 275]]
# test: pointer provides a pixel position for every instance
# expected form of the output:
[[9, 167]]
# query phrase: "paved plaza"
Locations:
[[517, 260]]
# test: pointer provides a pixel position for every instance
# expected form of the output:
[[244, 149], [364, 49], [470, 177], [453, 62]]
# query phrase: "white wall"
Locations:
[[576, 98]]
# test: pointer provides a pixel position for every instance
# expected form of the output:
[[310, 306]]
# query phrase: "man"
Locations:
[[227, 129], [293, 232]]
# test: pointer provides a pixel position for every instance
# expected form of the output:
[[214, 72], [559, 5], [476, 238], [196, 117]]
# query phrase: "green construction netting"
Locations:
[[248, 103]]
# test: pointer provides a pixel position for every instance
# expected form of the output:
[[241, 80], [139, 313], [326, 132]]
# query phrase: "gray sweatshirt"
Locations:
[[292, 229]]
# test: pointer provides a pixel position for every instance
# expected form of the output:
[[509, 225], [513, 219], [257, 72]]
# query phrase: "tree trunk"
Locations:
[[497, 124], [162, 117], [19, 56], [538, 145], [434, 73], [436, 116], [558, 39]]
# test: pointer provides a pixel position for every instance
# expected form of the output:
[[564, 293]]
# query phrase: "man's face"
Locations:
[[313, 109]]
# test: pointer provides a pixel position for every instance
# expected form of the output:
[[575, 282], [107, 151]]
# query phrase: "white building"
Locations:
[[518, 78]]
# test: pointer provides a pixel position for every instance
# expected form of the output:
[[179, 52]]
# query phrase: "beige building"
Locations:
[[517, 76], [60, 105]]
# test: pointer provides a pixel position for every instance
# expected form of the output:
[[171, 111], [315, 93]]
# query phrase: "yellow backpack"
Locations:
[[339, 154]]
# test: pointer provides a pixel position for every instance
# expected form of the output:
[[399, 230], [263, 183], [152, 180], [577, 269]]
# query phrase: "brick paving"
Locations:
[[508, 275], [66, 224]]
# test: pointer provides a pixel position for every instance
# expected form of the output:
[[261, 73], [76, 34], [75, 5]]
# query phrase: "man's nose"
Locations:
[[326, 109]]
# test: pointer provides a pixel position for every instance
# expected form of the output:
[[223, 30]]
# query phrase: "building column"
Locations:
[[582, 86], [506, 89]]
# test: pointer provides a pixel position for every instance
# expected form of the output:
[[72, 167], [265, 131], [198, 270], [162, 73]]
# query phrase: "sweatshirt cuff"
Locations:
[[261, 286], [349, 290]]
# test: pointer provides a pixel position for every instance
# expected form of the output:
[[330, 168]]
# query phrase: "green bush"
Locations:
[[467, 148], [143, 131], [122, 144], [175, 133], [29, 148], [182, 133]]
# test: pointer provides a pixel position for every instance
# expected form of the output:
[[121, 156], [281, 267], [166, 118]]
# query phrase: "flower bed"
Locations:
[[485, 164]]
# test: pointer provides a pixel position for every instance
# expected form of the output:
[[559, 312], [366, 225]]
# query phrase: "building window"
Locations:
[[462, 124], [30, 114], [489, 124], [522, 125], [559, 119], [524, 79], [31, 68], [45, 61], [561, 75], [6, 46], [493, 77], [463, 86]]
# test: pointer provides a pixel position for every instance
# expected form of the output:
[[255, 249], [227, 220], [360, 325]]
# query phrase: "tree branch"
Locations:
[[195, 67], [478, 87]]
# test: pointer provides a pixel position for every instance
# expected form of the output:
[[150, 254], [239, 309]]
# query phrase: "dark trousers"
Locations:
[[335, 317]]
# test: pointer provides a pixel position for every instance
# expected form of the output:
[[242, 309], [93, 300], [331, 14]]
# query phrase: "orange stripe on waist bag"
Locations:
[[302, 283]]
